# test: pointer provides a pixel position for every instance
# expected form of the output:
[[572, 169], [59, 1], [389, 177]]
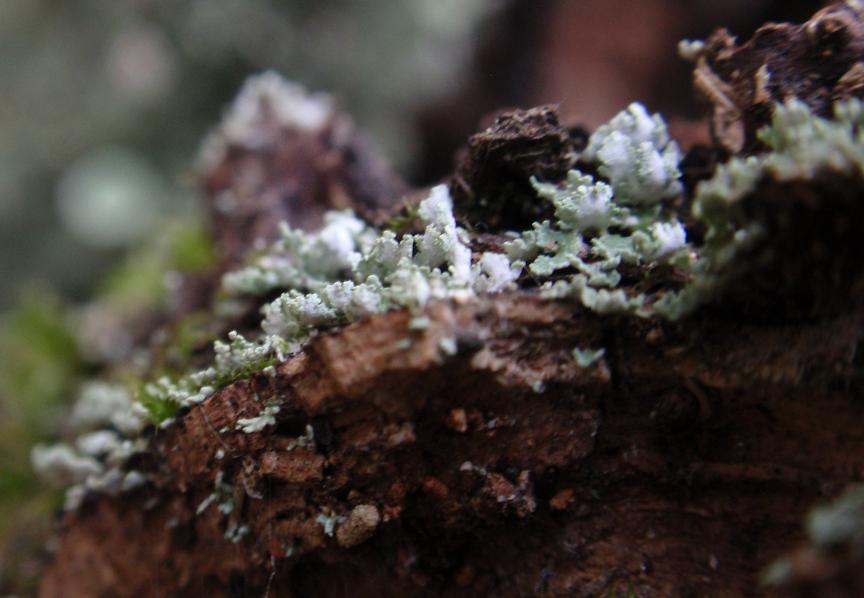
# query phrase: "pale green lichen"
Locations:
[[222, 496], [448, 346], [347, 270], [802, 147], [100, 403], [266, 103], [304, 261], [601, 226], [236, 531], [107, 424], [834, 528], [329, 522], [840, 522], [62, 465], [538, 386], [587, 357], [339, 274]]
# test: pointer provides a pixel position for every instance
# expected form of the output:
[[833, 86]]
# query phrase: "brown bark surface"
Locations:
[[681, 462]]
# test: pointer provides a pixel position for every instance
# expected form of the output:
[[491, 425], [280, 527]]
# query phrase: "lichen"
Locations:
[[266, 103], [600, 226], [222, 496], [337, 275], [328, 522], [840, 522], [586, 357], [267, 417], [834, 530], [634, 151], [100, 403]]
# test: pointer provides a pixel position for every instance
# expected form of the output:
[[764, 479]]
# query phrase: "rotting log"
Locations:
[[472, 455]]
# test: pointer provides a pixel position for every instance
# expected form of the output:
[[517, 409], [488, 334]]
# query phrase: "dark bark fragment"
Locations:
[[295, 177], [807, 263], [492, 189], [819, 62]]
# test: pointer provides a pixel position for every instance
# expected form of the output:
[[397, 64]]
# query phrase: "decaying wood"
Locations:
[[492, 184], [683, 460], [819, 62]]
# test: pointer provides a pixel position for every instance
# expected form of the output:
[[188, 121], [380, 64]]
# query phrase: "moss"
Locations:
[[140, 278]]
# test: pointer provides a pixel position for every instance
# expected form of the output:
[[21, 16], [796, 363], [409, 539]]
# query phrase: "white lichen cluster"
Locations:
[[634, 151], [266, 105], [339, 274], [801, 146], [105, 423], [223, 497], [601, 226], [834, 528], [267, 417]]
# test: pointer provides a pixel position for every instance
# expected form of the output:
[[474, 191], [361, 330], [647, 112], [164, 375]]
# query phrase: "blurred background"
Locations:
[[103, 106]]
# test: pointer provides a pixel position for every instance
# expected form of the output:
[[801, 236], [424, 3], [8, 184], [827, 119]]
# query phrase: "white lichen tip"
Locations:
[[100, 403], [635, 153], [662, 240], [494, 273], [582, 205], [62, 466], [267, 104], [440, 243], [267, 417], [691, 49]]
